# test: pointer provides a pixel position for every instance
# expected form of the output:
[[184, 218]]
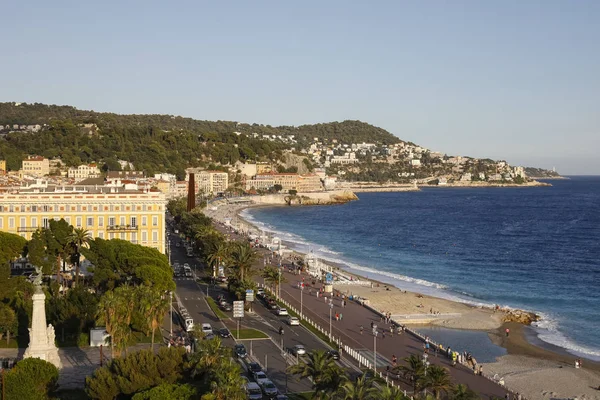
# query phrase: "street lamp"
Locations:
[[171, 306], [375, 348], [330, 309], [301, 292]]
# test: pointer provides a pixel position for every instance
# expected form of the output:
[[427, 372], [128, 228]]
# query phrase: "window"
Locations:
[[155, 221], [144, 221], [11, 208], [78, 207], [100, 235], [23, 222], [133, 237], [68, 220], [133, 222], [78, 221], [100, 221], [122, 221], [144, 236], [111, 235], [34, 222], [33, 208], [111, 221], [155, 236], [123, 236], [1, 208], [11, 222], [90, 221], [44, 222], [46, 208], [1, 223]]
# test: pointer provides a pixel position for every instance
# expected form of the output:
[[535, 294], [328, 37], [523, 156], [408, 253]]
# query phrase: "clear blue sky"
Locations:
[[516, 80]]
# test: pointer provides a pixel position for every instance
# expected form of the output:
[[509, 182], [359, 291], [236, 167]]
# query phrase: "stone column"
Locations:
[[41, 337]]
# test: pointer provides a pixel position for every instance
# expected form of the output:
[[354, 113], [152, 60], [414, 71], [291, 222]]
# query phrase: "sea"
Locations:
[[535, 248]]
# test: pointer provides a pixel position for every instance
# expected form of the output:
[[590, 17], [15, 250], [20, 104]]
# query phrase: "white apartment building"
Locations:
[[84, 171]]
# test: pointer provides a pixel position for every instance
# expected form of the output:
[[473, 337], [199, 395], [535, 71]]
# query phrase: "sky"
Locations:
[[514, 80]]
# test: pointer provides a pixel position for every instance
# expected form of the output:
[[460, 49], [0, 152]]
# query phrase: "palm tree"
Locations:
[[361, 389], [153, 305], [227, 383], [415, 371], [438, 380], [242, 258], [209, 355], [273, 276], [392, 393], [463, 392], [79, 238], [218, 254], [326, 376]]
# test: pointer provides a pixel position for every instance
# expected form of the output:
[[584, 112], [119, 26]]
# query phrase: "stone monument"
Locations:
[[41, 336]]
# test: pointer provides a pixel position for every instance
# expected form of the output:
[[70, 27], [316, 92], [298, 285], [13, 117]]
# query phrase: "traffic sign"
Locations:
[[329, 277], [249, 295], [238, 309]]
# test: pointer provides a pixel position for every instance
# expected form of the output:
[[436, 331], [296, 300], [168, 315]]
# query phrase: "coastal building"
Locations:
[[212, 182], [106, 212], [347, 158], [309, 183], [35, 166], [84, 171]]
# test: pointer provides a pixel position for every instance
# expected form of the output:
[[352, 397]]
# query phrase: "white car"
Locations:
[[293, 321], [298, 350], [282, 311], [207, 329], [260, 377]]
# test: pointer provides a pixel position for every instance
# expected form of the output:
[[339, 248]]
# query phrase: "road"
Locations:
[[267, 352]]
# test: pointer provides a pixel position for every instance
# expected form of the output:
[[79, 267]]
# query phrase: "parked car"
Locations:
[[253, 391], [206, 328], [269, 389], [273, 305], [224, 333], [253, 367], [260, 377], [298, 350], [240, 351], [281, 311], [334, 354], [293, 321]]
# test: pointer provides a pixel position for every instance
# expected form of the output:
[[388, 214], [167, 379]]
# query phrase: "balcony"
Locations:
[[122, 228], [28, 229]]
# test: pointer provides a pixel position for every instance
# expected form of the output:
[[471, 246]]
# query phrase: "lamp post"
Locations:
[[375, 348], [301, 292], [330, 309], [171, 307]]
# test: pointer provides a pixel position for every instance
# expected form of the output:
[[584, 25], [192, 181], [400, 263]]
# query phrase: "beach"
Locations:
[[535, 372]]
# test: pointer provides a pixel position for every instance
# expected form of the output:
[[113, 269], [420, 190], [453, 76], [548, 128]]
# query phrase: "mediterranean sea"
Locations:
[[536, 249]]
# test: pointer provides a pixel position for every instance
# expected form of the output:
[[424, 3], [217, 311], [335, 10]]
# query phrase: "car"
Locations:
[[281, 311], [186, 266], [222, 279], [206, 328], [298, 350], [281, 397], [224, 333], [177, 244], [269, 389], [209, 336], [226, 306], [260, 293], [260, 377], [293, 321], [334, 354], [253, 391], [240, 351], [253, 367]]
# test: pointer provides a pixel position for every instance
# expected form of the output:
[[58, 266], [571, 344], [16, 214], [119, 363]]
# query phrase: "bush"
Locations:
[[167, 392], [31, 379], [83, 340]]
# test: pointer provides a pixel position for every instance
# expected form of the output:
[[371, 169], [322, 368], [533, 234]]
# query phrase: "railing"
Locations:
[[122, 228], [28, 228]]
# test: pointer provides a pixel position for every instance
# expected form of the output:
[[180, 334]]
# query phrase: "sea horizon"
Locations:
[[429, 262]]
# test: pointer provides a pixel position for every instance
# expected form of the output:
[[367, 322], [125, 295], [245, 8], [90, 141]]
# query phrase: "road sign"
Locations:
[[249, 295], [329, 277], [238, 309]]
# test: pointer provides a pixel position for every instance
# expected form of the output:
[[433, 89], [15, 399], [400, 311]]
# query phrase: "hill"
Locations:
[[159, 142]]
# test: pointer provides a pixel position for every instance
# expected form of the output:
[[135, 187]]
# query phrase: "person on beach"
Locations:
[[361, 329], [507, 332]]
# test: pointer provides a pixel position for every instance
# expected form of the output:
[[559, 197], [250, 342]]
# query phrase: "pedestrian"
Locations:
[[391, 330], [382, 334], [394, 360], [507, 332], [372, 324], [341, 316], [361, 329]]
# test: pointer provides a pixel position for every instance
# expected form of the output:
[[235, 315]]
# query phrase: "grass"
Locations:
[[12, 344], [247, 333], [213, 306]]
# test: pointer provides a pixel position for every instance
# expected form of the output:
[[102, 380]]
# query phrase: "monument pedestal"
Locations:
[[41, 337]]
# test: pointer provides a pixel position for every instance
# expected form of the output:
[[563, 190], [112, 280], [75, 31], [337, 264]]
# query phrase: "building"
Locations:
[[132, 175], [106, 212], [212, 182], [36, 166], [309, 183], [84, 171]]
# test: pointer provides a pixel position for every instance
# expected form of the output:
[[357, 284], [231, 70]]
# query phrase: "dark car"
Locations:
[[240, 351], [224, 333], [334, 354], [253, 367]]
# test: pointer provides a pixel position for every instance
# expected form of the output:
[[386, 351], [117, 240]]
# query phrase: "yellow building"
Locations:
[[309, 183], [36, 166], [106, 212], [3, 166]]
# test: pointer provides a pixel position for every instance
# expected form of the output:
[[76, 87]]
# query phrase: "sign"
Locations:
[[249, 295], [238, 309], [328, 278]]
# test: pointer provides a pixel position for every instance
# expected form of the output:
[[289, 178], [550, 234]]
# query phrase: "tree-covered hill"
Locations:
[[159, 142]]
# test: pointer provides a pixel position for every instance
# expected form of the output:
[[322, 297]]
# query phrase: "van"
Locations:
[[189, 324], [253, 391]]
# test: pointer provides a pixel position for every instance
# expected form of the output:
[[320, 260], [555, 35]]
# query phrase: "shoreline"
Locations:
[[535, 370]]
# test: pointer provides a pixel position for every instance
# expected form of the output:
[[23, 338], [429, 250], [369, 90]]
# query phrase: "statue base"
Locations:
[[50, 355]]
